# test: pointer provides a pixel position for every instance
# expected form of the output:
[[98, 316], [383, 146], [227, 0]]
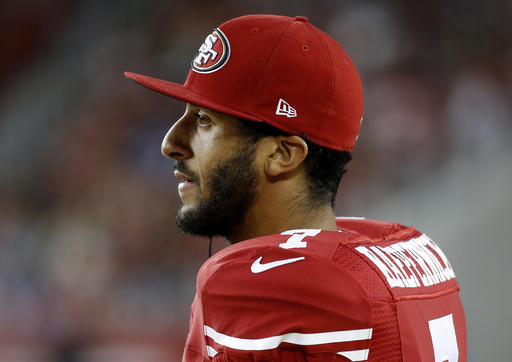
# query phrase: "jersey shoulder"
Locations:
[[284, 290], [386, 260], [281, 256]]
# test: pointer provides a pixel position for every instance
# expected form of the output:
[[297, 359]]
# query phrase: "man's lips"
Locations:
[[183, 176], [186, 181]]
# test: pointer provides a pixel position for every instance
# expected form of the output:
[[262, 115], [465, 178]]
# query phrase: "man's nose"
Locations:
[[175, 144]]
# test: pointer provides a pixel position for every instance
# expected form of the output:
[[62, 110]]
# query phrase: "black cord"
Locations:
[[210, 247]]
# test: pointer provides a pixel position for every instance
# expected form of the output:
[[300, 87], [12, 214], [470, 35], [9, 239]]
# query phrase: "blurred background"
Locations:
[[92, 267]]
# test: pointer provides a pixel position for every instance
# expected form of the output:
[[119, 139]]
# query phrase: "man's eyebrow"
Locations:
[[208, 110], [213, 112]]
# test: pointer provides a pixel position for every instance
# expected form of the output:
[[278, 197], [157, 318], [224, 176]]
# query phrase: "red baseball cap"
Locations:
[[278, 70]]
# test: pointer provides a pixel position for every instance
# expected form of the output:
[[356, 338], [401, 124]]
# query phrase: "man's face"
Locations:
[[214, 164]]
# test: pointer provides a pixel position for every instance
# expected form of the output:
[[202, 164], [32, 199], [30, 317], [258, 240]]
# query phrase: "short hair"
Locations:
[[324, 166]]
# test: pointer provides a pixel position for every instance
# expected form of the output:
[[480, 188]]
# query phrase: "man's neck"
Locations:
[[274, 220]]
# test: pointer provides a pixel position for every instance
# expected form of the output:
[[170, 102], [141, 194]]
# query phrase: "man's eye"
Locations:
[[202, 121]]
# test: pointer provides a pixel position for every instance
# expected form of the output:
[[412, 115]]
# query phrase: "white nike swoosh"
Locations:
[[257, 267]]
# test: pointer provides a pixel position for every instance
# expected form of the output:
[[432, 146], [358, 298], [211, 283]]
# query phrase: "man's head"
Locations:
[[283, 105]]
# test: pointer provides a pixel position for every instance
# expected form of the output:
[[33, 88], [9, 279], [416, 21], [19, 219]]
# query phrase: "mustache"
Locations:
[[181, 167]]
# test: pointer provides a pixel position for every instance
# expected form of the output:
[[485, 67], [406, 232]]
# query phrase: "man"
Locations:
[[273, 111]]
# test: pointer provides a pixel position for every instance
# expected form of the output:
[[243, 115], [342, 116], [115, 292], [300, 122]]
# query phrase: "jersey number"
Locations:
[[297, 237], [442, 332]]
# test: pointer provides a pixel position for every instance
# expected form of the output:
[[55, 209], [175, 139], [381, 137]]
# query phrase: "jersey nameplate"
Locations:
[[410, 264]]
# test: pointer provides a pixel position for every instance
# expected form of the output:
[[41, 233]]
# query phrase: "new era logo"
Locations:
[[284, 109]]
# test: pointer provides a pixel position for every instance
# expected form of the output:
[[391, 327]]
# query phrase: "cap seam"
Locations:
[[270, 54]]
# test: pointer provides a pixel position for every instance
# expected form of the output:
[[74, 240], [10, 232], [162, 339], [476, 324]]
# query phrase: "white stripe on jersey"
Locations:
[[357, 355], [303, 339], [212, 352]]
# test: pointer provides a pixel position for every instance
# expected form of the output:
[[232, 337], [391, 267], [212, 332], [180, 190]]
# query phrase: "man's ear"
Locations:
[[285, 156]]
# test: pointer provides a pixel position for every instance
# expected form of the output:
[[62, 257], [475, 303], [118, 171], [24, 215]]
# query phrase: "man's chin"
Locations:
[[188, 208], [190, 222]]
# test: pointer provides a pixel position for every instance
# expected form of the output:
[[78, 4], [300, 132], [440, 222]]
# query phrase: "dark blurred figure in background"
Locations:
[[86, 276]]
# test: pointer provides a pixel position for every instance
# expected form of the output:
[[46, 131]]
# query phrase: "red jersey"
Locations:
[[373, 291]]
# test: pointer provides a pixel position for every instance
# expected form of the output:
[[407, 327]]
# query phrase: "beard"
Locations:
[[232, 186]]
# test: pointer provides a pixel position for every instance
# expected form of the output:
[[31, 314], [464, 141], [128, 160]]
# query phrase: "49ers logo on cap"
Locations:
[[213, 54]]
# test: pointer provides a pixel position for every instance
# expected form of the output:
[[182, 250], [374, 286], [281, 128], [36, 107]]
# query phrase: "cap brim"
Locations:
[[178, 91]]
